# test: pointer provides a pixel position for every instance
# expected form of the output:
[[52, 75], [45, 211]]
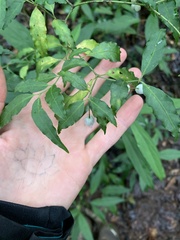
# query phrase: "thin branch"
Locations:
[[165, 19], [104, 1]]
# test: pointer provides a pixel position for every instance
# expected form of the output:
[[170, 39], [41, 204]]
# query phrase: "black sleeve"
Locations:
[[18, 222]]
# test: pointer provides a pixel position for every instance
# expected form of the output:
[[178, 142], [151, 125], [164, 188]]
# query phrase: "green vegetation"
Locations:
[[39, 34]]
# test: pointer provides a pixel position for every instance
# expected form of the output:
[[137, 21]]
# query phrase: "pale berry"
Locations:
[[136, 7], [89, 121], [139, 89]]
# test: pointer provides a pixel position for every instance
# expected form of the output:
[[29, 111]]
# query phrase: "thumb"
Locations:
[[3, 90]]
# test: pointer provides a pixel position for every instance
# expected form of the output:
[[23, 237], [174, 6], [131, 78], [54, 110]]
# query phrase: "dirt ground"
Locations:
[[155, 214]]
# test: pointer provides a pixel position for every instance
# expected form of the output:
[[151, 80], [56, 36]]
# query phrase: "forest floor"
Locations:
[[155, 214]]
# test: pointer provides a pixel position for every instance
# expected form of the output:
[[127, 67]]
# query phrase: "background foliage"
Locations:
[[36, 35]]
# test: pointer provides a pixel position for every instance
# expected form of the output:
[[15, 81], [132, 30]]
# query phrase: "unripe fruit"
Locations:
[[89, 121], [139, 89], [136, 7]]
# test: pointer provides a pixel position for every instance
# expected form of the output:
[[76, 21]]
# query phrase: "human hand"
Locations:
[[34, 171]]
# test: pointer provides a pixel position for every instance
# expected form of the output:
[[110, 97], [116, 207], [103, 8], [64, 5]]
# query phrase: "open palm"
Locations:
[[35, 172]]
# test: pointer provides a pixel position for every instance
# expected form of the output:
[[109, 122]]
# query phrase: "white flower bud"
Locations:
[[139, 89], [89, 121]]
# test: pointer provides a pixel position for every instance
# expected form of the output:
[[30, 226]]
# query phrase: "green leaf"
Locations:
[[45, 77], [4, 51], [115, 190], [75, 229], [169, 154], [40, 1], [80, 95], [38, 31], [23, 71], [30, 86], [170, 17], [75, 79], [55, 100], [146, 109], [49, 7], [25, 51], [88, 12], [153, 52], [45, 63], [151, 26], [118, 93], [87, 44], [177, 3], [176, 102], [96, 178], [76, 32], [2, 13], [84, 227], [149, 2], [122, 74], [52, 42], [120, 24], [63, 32], [86, 32], [106, 50], [137, 159], [99, 213], [18, 41], [44, 123], [106, 201], [74, 62], [77, 52], [73, 114], [13, 108], [163, 107], [104, 10], [13, 10], [148, 150], [102, 112]]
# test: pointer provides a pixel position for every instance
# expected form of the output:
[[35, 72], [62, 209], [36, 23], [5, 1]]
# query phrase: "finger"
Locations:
[[101, 69], [137, 72], [58, 68], [101, 142], [3, 90]]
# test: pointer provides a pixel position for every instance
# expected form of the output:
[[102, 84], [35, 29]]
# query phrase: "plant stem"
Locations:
[[161, 1], [29, 1], [165, 19], [69, 3], [96, 1], [104, 1]]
